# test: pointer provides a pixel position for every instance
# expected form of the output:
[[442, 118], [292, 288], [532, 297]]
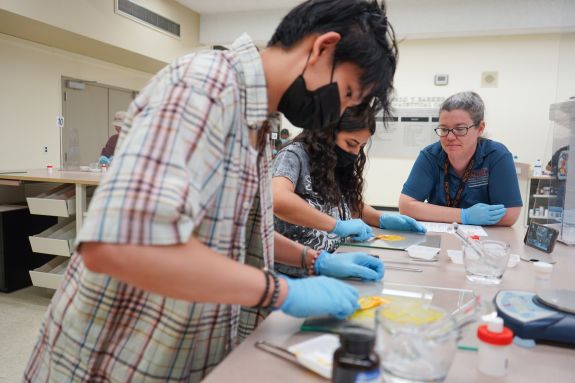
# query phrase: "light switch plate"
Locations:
[[441, 79]]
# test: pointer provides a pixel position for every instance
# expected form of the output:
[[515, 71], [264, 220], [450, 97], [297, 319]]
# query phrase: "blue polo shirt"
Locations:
[[492, 180]]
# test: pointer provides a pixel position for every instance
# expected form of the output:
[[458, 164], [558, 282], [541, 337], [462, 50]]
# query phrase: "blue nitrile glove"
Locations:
[[104, 160], [356, 228], [400, 222], [482, 214], [320, 296], [346, 265]]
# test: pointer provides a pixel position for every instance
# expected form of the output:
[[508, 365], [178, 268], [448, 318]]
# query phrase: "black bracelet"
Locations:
[[265, 294], [302, 260], [276, 292]]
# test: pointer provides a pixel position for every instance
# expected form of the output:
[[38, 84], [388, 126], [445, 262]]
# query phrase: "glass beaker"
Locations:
[[486, 261], [416, 343]]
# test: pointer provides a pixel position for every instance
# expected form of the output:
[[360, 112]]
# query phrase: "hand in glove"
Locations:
[[400, 222], [346, 265], [354, 228], [482, 214], [104, 160], [318, 296]]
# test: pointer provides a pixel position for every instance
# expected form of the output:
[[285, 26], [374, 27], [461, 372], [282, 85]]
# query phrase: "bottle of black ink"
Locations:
[[355, 360]]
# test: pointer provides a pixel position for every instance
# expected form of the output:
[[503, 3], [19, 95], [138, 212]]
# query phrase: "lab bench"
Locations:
[[541, 363], [67, 200]]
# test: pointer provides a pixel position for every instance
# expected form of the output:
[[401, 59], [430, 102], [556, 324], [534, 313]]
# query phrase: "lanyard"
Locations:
[[460, 187]]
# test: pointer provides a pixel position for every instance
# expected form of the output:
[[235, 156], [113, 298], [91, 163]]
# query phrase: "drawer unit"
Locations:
[[59, 201], [57, 240], [50, 274], [50, 194], [16, 256]]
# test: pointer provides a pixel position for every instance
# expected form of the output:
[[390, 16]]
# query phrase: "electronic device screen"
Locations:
[[541, 237]]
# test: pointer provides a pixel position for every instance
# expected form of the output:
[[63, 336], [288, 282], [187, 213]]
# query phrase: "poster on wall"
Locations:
[[406, 133]]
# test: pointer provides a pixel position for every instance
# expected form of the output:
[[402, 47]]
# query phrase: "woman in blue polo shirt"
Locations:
[[464, 178]]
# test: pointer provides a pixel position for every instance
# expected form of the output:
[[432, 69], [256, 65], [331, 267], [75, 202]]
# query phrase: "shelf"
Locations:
[[57, 240], [50, 274], [544, 177], [558, 219], [59, 201], [544, 195]]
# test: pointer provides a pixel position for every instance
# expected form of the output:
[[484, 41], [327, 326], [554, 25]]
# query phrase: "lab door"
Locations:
[[85, 128], [88, 111]]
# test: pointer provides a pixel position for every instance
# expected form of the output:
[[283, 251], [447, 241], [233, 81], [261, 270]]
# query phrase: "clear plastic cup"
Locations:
[[415, 343], [486, 262]]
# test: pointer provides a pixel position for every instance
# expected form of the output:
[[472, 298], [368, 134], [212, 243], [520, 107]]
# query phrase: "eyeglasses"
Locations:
[[460, 131]]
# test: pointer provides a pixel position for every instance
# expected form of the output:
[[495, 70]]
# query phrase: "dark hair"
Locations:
[[367, 40], [329, 182]]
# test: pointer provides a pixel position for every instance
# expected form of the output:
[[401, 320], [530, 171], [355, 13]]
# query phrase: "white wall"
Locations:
[[416, 19], [516, 111], [224, 28], [534, 71], [521, 40], [95, 19], [30, 97], [565, 76]]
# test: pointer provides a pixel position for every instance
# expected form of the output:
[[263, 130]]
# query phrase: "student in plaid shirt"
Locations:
[[172, 264]]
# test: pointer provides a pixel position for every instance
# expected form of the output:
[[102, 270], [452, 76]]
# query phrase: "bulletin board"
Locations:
[[407, 132]]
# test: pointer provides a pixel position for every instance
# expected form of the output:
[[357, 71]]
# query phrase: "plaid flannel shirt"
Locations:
[[183, 166]]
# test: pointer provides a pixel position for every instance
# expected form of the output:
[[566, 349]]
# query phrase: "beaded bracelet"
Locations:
[[302, 260], [311, 269], [276, 292], [265, 294]]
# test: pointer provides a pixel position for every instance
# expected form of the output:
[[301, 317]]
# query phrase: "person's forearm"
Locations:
[[293, 209], [510, 216], [423, 211], [289, 252], [191, 272], [370, 215]]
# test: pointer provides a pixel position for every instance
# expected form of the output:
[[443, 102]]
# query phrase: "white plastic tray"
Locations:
[[317, 353]]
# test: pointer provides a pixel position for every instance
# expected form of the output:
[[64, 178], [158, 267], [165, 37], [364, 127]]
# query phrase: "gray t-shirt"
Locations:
[[293, 163]]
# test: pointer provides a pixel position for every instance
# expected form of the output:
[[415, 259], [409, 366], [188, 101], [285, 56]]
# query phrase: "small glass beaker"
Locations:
[[94, 166], [486, 261], [415, 343]]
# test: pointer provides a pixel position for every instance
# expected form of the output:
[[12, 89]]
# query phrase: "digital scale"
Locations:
[[545, 317]]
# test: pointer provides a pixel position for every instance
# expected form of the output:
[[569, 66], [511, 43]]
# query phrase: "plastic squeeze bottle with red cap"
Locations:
[[494, 347]]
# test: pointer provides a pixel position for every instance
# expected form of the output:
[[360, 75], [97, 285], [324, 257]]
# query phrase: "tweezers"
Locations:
[[281, 352], [398, 268]]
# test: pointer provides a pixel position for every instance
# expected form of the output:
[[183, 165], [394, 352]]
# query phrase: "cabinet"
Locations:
[[68, 201], [543, 204], [16, 257], [59, 202], [56, 240]]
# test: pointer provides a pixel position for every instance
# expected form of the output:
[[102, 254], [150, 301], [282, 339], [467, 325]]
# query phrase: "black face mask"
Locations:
[[344, 159], [311, 109]]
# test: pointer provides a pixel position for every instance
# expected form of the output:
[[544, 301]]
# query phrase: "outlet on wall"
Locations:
[[45, 148]]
